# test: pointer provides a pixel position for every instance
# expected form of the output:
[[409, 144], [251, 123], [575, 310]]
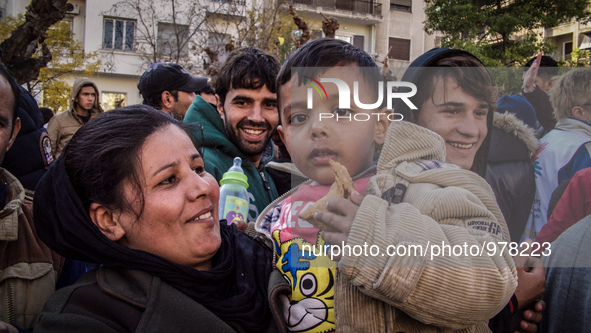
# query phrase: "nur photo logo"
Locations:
[[344, 92]]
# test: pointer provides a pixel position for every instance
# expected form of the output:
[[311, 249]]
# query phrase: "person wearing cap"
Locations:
[[84, 105], [168, 87]]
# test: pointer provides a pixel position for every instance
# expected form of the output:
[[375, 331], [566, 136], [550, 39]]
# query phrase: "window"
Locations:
[[568, 48], [118, 34], [343, 38], [171, 37], [401, 5], [113, 100], [399, 49], [359, 42]]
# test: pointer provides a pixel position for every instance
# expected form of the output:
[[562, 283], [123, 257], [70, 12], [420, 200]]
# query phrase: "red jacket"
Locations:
[[573, 206]]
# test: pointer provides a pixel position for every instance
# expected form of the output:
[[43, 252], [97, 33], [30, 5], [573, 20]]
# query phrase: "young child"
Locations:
[[413, 200], [314, 136]]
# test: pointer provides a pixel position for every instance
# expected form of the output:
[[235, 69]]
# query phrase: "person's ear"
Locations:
[[106, 221], [281, 133], [382, 124], [220, 105], [167, 100], [577, 112], [15, 129]]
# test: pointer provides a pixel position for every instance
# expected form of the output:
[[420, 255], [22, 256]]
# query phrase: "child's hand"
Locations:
[[339, 214]]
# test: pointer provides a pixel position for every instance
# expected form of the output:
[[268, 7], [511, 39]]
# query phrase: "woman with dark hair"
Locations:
[[130, 193]]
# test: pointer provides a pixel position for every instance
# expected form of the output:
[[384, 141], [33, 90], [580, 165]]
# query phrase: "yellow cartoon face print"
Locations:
[[311, 274]]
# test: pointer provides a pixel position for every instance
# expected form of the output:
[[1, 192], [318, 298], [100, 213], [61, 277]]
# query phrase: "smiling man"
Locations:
[[84, 106], [242, 125]]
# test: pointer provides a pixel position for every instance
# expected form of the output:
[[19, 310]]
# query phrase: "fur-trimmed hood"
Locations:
[[511, 139]]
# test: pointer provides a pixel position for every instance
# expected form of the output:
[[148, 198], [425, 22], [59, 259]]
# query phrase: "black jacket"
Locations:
[[510, 170], [120, 300], [28, 157]]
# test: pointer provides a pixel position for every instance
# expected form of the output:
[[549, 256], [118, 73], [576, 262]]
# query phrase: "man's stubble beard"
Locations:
[[242, 144]]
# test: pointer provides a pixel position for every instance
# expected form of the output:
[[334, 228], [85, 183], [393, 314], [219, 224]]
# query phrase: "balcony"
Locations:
[[236, 2], [356, 6]]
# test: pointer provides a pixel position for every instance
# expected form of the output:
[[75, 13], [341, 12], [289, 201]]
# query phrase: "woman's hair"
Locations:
[[570, 90], [471, 75], [104, 154]]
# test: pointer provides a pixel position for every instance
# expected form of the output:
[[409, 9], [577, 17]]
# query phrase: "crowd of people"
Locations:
[[110, 219]]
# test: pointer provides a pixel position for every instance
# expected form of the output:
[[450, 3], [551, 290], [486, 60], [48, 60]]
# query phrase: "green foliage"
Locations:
[[288, 46], [579, 58], [264, 28], [68, 57], [500, 32], [9, 24]]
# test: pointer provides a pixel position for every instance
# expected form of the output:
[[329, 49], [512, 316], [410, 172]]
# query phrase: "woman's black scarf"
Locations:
[[235, 289]]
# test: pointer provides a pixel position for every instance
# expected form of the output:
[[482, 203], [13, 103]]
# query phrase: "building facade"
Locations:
[[129, 35], [568, 37]]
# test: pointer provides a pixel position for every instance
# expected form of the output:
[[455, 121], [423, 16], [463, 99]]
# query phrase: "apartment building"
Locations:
[[568, 37], [392, 28], [129, 38]]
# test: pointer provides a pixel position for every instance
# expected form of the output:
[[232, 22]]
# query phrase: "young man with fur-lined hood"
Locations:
[[510, 168], [84, 105]]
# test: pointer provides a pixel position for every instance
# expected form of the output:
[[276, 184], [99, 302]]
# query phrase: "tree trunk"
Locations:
[[19, 48]]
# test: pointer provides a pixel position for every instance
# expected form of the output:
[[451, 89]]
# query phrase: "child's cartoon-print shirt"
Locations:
[[304, 260]]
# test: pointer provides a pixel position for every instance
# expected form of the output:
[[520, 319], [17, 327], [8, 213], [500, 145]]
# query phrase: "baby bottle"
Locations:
[[234, 201]]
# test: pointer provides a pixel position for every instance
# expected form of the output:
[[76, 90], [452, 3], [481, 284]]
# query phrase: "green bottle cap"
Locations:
[[235, 174]]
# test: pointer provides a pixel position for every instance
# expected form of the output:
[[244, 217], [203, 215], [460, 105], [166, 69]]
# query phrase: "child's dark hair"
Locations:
[[324, 53], [246, 68]]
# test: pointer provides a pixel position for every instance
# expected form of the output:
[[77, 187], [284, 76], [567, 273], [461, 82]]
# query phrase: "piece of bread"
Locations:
[[341, 188]]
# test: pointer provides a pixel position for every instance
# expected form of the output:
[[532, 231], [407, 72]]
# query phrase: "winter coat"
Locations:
[[510, 170], [441, 203], [29, 270], [219, 153], [125, 300], [563, 151], [568, 273], [574, 205], [64, 125], [30, 154]]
